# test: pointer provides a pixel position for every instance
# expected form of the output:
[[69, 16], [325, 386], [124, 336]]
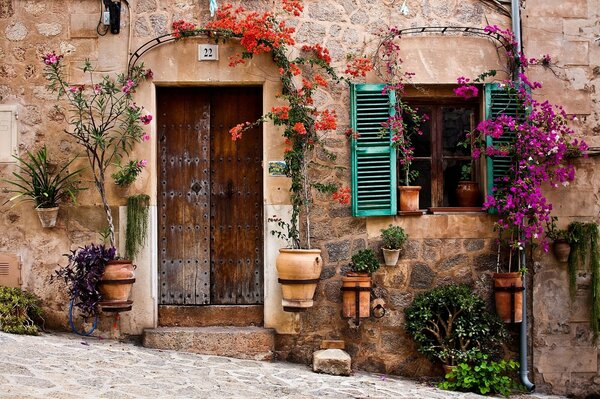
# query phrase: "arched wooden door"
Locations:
[[210, 202]]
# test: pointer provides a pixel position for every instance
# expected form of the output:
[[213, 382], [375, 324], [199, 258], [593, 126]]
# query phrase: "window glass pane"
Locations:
[[422, 143], [455, 125], [424, 180]]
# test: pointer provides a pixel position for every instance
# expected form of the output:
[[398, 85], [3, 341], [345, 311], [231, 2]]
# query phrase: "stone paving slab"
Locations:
[[65, 366]]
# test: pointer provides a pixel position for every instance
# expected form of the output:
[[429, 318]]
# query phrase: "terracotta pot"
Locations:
[[299, 271], [47, 216], [409, 198], [561, 249], [467, 193], [353, 280], [116, 282], [391, 256], [508, 294]]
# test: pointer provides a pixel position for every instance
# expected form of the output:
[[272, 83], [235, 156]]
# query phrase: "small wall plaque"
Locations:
[[208, 52], [276, 168]]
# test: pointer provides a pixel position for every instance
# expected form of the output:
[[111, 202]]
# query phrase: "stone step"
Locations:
[[253, 343]]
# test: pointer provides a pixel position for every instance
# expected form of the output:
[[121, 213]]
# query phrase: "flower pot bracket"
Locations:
[[357, 291], [513, 289]]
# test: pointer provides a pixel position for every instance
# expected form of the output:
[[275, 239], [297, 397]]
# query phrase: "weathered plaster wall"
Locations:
[[564, 359], [442, 248]]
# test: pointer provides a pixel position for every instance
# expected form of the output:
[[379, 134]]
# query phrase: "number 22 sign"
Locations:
[[208, 52]]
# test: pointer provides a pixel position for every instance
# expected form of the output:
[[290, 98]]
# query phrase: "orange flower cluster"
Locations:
[[236, 131], [328, 120], [320, 80], [321, 52], [299, 128], [342, 195], [281, 112], [292, 7], [180, 28], [259, 33], [359, 67]]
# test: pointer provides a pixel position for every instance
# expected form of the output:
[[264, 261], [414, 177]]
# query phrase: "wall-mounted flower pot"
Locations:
[[356, 288], [561, 249], [409, 198], [116, 283], [47, 216], [467, 193], [391, 256], [508, 293], [299, 271]]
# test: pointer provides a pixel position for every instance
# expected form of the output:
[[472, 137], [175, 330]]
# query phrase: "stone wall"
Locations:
[[442, 248], [564, 359]]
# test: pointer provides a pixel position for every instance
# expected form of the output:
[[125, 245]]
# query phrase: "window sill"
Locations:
[[444, 210], [420, 212]]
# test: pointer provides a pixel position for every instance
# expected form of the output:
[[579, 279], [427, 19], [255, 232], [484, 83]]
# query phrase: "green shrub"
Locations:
[[483, 377], [393, 237], [364, 261], [452, 325], [20, 312]]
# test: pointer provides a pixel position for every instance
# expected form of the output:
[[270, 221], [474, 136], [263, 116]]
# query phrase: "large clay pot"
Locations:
[[116, 282], [508, 293], [391, 256], [354, 280], [47, 216], [409, 198], [299, 271], [467, 193], [561, 249]]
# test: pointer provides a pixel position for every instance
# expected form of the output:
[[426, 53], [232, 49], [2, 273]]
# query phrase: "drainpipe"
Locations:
[[523, 367]]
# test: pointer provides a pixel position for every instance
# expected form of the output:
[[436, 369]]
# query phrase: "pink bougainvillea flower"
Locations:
[[128, 85], [146, 137], [146, 119], [142, 163]]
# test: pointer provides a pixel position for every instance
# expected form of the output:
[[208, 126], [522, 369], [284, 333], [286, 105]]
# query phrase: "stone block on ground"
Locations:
[[332, 361]]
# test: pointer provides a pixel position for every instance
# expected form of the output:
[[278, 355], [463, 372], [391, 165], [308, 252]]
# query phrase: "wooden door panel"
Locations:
[[183, 195], [236, 199]]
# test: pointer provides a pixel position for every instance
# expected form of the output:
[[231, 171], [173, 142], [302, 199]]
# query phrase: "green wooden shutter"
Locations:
[[373, 158], [499, 101]]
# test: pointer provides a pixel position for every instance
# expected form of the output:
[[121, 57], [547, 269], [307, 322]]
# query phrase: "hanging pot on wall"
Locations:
[[115, 285], [467, 194], [561, 249], [299, 271], [508, 294], [356, 292], [409, 198], [47, 216], [391, 256]]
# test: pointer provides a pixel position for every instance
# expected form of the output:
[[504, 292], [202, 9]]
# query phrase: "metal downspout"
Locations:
[[523, 367]]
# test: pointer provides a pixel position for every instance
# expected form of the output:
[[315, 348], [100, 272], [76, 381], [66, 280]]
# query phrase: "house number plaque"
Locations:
[[208, 52]]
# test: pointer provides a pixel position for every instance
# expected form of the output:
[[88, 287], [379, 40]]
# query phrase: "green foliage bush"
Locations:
[[393, 237], [364, 261], [452, 325], [20, 311], [483, 377]]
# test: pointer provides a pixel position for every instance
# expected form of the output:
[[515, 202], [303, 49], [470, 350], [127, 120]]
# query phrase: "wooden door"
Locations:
[[209, 197]]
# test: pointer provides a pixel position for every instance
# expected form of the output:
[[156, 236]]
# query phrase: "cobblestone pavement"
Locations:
[[67, 366]]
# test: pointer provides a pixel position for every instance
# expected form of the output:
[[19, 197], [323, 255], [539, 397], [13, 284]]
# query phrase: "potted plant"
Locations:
[[561, 240], [35, 181], [393, 238], [467, 190], [357, 283], [299, 264], [452, 325], [106, 123]]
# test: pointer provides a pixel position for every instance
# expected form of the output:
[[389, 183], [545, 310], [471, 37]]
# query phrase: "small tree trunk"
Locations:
[[109, 219]]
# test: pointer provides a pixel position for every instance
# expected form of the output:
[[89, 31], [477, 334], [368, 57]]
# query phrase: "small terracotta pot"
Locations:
[[47, 216], [467, 193], [561, 249], [117, 281], [508, 294], [391, 256], [409, 198], [351, 280]]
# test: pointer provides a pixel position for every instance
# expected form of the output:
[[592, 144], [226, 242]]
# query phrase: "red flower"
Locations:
[[292, 7], [359, 67], [236, 131], [321, 81], [343, 195], [328, 120], [281, 112], [299, 128]]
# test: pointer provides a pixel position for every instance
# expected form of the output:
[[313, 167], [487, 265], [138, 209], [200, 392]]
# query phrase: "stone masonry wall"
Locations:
[[442, 248]]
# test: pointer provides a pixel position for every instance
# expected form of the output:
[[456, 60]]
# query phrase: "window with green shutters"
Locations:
[[499, 101], [373, 157]]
